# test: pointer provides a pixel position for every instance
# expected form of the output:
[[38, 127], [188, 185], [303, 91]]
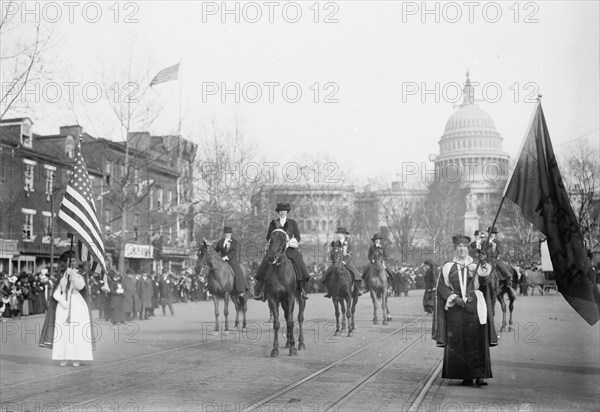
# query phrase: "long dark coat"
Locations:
[[145, 292], [240, 283], [131, 302]]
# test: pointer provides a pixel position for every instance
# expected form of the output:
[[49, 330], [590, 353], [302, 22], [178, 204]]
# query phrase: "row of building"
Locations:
[[142, 188]]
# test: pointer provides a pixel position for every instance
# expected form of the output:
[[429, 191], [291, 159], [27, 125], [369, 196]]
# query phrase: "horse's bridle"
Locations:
[[279, 255]]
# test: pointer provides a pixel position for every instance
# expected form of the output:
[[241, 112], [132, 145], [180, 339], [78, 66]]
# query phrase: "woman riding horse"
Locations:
[[377, 245], [228, 248], [343, 243], [291, 228]]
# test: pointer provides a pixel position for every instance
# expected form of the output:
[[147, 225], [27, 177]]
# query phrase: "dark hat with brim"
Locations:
[[461, 239], [376, 236], [343, 230], [66, 255], [494, 230], [227, 229], [283, 206]]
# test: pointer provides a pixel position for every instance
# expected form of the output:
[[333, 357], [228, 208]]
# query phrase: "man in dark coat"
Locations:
[[477, 244], [291, 227], [228, 247], [342, 242], [145, 292], [165, 293], [464, 324]]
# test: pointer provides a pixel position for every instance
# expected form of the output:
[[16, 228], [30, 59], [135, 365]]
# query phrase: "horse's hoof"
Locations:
[[270, 320], [375, 322], [343, 330], [350, 334], [510, 328], [301, 346], [385, 322], [503, 329], [274, 353], [293, 351], [337, 333]]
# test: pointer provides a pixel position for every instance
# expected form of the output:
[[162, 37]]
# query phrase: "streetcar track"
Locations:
[[424, 385], [288, 388]]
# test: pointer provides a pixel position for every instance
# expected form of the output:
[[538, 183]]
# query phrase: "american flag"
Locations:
[[78, 210], [166, 75]]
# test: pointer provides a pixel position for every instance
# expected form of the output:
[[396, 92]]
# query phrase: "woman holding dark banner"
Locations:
[[463, 325], [73, 334]]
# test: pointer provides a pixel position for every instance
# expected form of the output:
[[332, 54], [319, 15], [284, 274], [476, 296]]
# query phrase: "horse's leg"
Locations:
[[384, 313], [236, 306], [349, 314], [354, 302], [289, 317], [244, 302], [274, 306], [270, 316], [511, 298], [503, 306], [336, 306], [343, 306], [387, 310], [216, 303], [375, 303], [301, 307], [226, 311]]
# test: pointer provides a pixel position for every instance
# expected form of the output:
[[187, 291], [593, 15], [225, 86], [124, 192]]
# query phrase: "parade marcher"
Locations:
[[429, 295], [131, 302], [165, 286], [291, 228], [342, 242], [145, 292], [228, 247], [74, 341], [116, 297], [376, 239], [464, 325]]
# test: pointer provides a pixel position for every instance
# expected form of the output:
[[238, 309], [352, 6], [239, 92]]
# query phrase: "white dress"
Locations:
[[72, 341]]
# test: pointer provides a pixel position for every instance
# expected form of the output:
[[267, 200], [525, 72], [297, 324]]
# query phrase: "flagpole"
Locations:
[[180, 83]]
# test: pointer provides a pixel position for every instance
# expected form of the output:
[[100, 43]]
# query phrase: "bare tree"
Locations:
[[400, 212], [22, 50]]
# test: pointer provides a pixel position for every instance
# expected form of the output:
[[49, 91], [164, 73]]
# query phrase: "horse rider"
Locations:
[[291, 228], [493, 249], [376, 239], [342, 242], [477, 244], [228, 248]]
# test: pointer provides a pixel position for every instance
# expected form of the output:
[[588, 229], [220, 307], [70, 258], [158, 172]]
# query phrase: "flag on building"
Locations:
[[78, 211], [166, 75], [536, 186]]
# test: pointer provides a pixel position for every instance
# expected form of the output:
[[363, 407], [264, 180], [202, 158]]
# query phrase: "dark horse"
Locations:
[[280, 288], [378, 286], [220, 285], [339, 286], [501, 285]]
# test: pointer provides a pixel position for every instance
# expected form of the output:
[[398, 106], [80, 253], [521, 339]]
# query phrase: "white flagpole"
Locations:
[[180, 82]]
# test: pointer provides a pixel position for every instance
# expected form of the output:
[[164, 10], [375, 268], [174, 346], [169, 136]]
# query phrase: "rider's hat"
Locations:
[[460, 239], [376, 236], [494, 230], [343, 230], [283, 206], [227, 229]]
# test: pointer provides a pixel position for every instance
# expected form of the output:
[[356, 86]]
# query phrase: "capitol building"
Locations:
[[471, 151]]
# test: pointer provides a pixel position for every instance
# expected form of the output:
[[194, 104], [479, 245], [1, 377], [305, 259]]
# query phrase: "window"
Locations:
[[47, 223], [169, 198], [108, 218], [323, 226], [28, 224], [29, 173], [136, 219], [159, 199], [50, 170]]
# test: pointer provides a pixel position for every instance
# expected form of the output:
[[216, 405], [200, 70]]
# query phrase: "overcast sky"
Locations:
[[372, 60]]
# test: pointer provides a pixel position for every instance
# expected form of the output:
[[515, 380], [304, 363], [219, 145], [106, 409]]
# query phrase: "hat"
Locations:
[[494, 230], [460, 239], [66, 255], [376, 236], [343, 230], [227, 229], [476, 233], [283, 206], [129, 272], [44, 272], [12, 279]]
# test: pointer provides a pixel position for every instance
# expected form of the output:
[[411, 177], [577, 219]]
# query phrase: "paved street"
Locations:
[[549, 362]]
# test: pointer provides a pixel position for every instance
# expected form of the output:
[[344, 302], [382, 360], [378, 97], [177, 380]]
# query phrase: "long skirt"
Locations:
[[117, 310], [429, 300], [467, 353], [73, 341]]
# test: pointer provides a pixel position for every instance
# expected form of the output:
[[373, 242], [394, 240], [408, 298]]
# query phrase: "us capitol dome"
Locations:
[[471, 150]]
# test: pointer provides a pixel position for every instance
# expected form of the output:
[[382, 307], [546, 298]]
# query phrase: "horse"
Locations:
[[378, 286], [220, 285], [280, 288], [340, 287], [500, 287]]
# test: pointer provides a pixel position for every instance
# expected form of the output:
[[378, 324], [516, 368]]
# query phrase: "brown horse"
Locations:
[[339, 286], [500, 285], [220, 285], [280, 288], [378, 286]]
